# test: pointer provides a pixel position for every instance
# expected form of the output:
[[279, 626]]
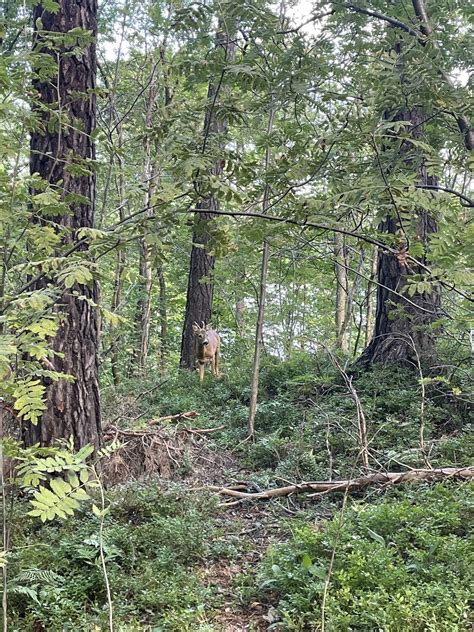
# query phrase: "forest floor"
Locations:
[[398, 558], [257, 530]]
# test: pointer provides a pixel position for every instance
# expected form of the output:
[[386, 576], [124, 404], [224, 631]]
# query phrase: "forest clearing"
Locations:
[[236, 316]]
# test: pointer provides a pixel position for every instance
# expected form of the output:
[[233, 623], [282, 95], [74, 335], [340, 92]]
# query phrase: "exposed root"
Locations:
[[156, 451]]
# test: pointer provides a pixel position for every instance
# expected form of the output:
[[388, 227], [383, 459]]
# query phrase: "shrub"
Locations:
[[155, 538], [402, 564]]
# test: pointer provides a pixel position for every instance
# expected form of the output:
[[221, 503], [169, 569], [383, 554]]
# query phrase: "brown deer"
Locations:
[[209, 345]]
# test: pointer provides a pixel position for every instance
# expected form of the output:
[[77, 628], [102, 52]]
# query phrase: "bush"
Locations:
[[403, 564], [154, 540]]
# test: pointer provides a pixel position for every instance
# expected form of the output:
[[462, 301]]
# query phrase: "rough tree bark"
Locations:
[[402, 322], [72, 408], [200, 290]]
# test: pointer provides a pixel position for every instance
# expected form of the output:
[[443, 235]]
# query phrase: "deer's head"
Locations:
[[201, 333]]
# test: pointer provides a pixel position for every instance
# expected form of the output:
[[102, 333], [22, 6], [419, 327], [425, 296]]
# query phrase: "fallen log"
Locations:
[[352, 484]]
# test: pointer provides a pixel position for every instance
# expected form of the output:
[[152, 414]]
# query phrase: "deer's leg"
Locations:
[[201, 372]]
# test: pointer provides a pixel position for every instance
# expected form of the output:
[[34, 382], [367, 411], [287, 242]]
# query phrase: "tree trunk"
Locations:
[[163, 319], [119, 266], [72, 408], [402, 322], [261, 303], [200, 290], [403, 332], [239, 316], [341, 291], [116, 299], [144, 304], [369, 318], [353, 290], [258, 340], [150, 176]]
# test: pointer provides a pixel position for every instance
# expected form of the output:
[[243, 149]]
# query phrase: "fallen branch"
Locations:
[[201, 431], [354, 484], [189, 415]]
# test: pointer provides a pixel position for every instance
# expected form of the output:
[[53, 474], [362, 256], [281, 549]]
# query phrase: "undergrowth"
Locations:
[[403, 563], [403, 558], [156, 539], [306, 420]]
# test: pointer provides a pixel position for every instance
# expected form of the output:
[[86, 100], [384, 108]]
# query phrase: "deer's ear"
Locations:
[[195, 329], [209, 326]]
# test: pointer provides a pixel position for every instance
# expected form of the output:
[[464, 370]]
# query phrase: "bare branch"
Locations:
[[385, 18], [351, 484], [437, 187], [313, 18]]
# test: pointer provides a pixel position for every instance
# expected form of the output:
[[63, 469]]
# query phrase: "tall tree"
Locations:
[[263, 290], [150, 178], [201, 268], [408, 303], [404, 318], [120, 263], [342, 291], [62, 154]]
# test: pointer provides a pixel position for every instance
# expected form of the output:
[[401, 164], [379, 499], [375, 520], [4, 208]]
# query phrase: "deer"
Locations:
[[209, 344]]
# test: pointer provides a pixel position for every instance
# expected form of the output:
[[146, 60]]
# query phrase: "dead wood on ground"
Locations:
[[160, 450], [350, 485], [179, 417]]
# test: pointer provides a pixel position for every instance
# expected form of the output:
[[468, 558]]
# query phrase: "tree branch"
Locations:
[[436, 187], [422, 37], [334, 229], [462, 120], [313, 18], [385, 18]]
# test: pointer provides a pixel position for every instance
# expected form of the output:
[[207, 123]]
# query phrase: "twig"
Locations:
[[202, 431], [102, 553], [362, 424]]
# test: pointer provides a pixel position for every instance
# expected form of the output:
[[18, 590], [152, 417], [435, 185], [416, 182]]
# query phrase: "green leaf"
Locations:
[[375, 536], [60, 487], [306, 562], [318, 571]]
